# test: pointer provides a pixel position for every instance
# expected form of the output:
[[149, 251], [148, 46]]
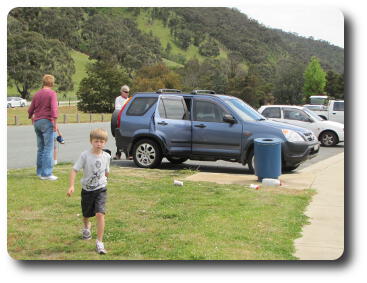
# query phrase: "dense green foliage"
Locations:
[[30, 56], [335, 85], [288, 85], [151, 78], [103, 81], [315, 78], [207, 48]]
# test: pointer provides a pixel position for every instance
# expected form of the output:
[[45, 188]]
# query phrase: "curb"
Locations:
[[299, 180]]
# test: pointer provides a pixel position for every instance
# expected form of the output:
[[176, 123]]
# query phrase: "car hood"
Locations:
[[280, 125], [332, 125]]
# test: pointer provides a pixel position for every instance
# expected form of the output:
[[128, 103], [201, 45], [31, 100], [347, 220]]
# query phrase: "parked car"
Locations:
[[329, 133], [334, 111], [181, 126], [16, 101]]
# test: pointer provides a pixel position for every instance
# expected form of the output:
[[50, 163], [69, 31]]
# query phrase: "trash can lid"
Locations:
[[268, 140]]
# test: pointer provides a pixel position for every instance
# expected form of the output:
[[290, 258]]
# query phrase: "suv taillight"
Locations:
[[120, 113]]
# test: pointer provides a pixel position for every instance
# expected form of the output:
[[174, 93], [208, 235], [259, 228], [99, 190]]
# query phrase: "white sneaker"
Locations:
[[87, 235], [55, 162], [51, 178], [100, 248]]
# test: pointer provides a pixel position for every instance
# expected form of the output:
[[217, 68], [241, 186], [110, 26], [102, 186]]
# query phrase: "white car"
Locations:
[[16, 101], [329, 133]]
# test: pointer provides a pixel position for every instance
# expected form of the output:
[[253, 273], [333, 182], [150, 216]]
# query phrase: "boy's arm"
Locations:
[[107, 171], [72, 181]]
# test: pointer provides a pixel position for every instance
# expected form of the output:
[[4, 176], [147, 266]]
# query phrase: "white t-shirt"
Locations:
[[94, 169], [119, 102]]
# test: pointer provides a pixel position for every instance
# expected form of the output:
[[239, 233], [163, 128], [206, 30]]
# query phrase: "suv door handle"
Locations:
[[163, 123], [200, 126]]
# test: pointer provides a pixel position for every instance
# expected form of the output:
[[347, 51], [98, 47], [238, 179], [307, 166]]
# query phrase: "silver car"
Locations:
[[16, 102]]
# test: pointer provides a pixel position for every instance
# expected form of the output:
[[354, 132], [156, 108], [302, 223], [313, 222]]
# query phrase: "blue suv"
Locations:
[[202, 126]]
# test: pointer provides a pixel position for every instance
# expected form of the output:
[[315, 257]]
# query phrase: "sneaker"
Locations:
[[51, 178], [87, 235], [100, 248], [55, 162]]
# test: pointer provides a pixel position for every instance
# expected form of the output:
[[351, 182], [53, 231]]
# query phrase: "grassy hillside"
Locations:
[[81, 60], [157, 28]]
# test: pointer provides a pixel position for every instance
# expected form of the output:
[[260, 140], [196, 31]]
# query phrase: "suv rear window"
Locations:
[[172, 109], [140, 106]]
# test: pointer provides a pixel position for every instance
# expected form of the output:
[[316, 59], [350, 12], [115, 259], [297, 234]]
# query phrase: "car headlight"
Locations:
[[292, 136]]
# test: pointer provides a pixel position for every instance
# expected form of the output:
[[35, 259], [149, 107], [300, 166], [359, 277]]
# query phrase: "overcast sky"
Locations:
[[326, 23]]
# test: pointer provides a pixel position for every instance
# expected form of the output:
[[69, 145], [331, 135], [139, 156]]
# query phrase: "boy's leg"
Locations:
[[87, 223], [87, 208], [100, 226], [100, 212], [86, 234]]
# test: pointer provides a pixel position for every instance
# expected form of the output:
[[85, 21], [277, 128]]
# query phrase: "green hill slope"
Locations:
[[81, 60]]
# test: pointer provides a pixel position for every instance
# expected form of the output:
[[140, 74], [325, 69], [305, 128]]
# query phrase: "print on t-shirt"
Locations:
[[93, 181]]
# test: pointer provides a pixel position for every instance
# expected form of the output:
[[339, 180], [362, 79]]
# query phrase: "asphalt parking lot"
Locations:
[[221, 166], [22, 150]]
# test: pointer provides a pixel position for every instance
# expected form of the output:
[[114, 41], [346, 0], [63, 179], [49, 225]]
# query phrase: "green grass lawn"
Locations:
[[150, 219], [66, 113]]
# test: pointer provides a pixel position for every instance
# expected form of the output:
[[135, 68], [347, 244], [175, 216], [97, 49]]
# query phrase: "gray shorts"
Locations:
[[93, 202]]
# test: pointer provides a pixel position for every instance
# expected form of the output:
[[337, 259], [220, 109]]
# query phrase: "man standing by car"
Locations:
[[119, 102], [121, 99]]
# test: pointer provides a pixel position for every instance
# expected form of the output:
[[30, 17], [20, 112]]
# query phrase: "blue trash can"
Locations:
[[268, 158]]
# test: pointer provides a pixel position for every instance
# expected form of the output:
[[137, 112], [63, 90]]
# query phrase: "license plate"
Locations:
[[316, 147]]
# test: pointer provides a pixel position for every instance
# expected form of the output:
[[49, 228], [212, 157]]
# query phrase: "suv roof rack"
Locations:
[[167, 90], [203, 91]]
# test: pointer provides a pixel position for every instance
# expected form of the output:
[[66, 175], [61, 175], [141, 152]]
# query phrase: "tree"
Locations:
[[119, 40], [98, 91], [151, 78], [335, 85], [209, 48], [289, 82], [53, 23], [30, 56], [314, 78]]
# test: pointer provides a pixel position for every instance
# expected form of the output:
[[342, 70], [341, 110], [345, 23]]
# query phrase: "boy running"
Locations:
[[96, 166]]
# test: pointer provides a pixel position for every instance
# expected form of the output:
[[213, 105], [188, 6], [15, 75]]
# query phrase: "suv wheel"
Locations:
[[176, 160], [114, 121], [251, 161], [147, 154], [286, 169]]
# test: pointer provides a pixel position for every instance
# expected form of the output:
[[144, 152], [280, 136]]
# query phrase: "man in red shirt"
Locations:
[[43, 112]]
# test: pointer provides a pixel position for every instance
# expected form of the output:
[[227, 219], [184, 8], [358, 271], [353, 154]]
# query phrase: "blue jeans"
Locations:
[[45, 144]]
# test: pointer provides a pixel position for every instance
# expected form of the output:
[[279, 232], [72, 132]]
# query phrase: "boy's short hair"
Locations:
[[48, 80], [99, 134]]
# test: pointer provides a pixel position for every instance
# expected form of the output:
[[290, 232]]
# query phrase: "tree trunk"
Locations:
[[24, 93]]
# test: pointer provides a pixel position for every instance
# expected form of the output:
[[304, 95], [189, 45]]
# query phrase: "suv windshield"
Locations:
[[245, 111]]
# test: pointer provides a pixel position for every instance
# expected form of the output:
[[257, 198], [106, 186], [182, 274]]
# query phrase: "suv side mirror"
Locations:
[[229, 119]]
